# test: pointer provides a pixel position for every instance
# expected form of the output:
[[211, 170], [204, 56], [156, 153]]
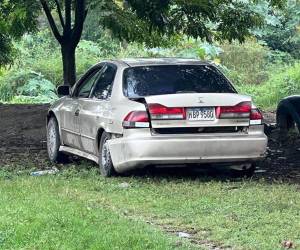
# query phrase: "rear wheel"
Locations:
[[53, 142], [285, 123], [249, 172], [105, 163]]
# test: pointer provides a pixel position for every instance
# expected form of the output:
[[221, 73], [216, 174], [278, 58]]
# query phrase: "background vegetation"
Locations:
[[266, 66]]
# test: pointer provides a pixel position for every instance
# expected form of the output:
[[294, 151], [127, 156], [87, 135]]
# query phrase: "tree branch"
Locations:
[[51, 21], [80, 15], [68, 18], [60, 13]]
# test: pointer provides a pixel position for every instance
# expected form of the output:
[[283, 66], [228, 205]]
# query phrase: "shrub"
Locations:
[[87, 54], [26, 86], [11, 81], [282, 83], [189, 48], [247, 63], [40, 53]]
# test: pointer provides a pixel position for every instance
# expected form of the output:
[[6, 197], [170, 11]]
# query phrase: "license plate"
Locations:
[[200, 114]]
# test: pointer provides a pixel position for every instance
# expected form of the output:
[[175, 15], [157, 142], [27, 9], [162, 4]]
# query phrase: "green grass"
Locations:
[[78, 209], [51, 213]]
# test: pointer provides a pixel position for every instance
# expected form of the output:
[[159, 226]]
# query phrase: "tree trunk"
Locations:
[[69, 64]]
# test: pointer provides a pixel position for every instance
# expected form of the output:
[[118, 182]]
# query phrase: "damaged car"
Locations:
[[128, 114]]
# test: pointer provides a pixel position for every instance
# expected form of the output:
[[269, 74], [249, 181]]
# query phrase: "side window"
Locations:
[[85, 88], [103, 85]]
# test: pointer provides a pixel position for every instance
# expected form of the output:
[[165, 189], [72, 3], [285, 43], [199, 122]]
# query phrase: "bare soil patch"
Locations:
[[23, 134], [23, 140], [23, 127]]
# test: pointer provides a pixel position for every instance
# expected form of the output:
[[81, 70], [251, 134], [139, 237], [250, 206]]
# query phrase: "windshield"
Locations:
[[174, 79]]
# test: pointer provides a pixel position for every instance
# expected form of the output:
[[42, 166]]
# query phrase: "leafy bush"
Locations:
[[40, 53], [87, 54], [189, 48], [26, 87], [11, 81], [282, 83], [247, 63], [253, 67], [38, 87], [21, 99]]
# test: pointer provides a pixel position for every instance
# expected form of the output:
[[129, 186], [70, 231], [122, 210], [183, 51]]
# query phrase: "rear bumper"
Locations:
[[143, 149]]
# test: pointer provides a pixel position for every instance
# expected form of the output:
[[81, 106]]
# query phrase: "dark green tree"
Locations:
[[16, 18], [151, 21], [281, 29], [71, 15]]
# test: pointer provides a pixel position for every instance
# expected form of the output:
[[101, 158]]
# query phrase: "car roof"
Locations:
[[133, 62]]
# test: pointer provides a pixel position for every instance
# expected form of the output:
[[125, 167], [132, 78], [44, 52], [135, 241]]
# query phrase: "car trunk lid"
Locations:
[[199, 110]]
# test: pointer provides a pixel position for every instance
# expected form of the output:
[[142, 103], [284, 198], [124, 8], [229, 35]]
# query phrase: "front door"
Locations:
[[71, 111], [69, 123]]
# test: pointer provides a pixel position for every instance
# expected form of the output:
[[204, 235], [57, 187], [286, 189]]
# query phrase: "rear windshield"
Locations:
[[174, 79]]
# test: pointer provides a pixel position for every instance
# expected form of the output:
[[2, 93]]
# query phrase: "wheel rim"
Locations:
[[105, 156], [51, 140]]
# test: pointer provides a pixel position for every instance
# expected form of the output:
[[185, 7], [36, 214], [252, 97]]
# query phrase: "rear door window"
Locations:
[[103, 85], [173, 79]]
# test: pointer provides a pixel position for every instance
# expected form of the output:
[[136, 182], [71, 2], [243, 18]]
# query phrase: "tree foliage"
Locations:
[[212, 20], [282, 28], [152, 22], [16, 18]]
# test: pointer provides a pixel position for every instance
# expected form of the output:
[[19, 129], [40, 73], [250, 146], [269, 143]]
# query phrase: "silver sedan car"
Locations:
[[127, 114]]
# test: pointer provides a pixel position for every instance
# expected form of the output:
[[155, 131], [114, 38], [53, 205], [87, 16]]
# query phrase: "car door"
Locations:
[[95, 111], [71, 109]]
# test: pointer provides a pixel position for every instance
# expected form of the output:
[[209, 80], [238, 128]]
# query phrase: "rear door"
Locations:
[[96, 111]]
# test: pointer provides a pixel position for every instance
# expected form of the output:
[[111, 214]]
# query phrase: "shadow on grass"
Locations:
[[270, 170], [202, 173]]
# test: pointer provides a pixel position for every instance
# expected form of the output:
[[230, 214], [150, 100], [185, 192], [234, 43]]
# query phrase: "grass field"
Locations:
[[78, 209]]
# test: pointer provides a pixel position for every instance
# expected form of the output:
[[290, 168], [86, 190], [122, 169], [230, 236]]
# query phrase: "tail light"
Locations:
[[160, 112], [256, 117], [241, 110], [136, 119]]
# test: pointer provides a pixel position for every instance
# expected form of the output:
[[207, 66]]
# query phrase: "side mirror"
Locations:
[[63, 90]]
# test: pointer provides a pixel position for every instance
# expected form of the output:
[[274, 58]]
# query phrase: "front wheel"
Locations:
[[105, 163], [53, 142]]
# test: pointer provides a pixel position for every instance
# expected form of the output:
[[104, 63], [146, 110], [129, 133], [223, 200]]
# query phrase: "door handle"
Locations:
[[77, 112]]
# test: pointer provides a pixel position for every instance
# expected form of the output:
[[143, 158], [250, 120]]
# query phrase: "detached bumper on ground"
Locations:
[[143, 149]]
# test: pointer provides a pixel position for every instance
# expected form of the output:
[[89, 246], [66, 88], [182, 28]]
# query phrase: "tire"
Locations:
[[247, 173], [53, 142], [105, 162], [285, 123]]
